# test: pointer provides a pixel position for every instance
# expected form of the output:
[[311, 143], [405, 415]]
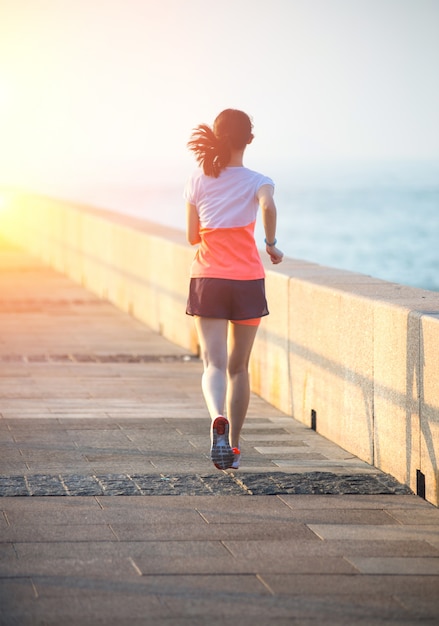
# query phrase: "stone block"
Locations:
[[429, 405], [269, 362], [396, 391], [331, 364]]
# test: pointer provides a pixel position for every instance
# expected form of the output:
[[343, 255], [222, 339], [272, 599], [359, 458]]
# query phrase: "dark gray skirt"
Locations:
[[227, 299]]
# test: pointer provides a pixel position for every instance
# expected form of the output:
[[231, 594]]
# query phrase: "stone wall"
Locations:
[[352, 356]]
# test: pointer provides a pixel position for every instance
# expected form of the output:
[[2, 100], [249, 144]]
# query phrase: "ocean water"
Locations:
[[388, 233], [382, 221]]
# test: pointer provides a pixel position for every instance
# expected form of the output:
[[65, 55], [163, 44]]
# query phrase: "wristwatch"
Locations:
[[270, 245]]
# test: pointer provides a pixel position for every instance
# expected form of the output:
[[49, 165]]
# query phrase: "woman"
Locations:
[[227, 289]]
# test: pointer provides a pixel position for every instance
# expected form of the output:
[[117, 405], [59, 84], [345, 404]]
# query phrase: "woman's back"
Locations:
[[227, 201]]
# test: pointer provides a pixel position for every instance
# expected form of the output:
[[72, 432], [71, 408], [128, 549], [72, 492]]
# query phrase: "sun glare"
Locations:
[[5, 96], [3, 92], [5, 202], [6, 124]]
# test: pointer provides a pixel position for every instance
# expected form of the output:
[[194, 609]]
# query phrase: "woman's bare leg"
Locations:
[[240, 342], [225, 350], [212, 335]]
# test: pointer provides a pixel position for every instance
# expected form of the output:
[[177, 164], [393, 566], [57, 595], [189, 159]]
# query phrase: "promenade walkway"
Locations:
[[111, 512]]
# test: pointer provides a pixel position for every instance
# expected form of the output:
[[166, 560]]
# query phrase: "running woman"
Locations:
[[227, 278]]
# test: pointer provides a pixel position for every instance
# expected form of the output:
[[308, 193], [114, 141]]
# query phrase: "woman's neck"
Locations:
[[236, 158]]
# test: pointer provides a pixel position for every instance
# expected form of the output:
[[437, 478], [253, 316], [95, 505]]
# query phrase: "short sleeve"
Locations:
[[188, 192], [264, 180], [191, 189]]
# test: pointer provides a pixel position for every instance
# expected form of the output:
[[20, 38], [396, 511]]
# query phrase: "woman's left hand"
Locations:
[[275, 254]]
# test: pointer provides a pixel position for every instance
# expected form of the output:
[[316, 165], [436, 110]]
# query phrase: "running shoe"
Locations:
[[221, 453], [237, 459]]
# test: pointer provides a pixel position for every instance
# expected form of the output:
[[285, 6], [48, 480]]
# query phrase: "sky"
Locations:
[[109, 90]]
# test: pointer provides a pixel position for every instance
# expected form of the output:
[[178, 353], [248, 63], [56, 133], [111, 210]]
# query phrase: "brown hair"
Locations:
[[212, 146]]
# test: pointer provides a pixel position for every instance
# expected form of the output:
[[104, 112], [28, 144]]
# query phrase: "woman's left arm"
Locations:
[[192, 224], [269, 218]]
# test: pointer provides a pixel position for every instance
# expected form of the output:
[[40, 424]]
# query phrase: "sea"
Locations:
[[379, 219]]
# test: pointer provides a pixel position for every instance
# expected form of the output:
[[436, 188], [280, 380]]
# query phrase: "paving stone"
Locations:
[[335, 609], [55, 515], [275, 547], [375, 533], [424, 609], [15, 592], [259, 507], [86, 550], [386, 502], [428, 515], [341, 516], [49, 503], [7, 551], [57, 532], [323, 549], [80, 601], [224, 528], [95, 569], [286, 438], [339, 585], [334, 466], [215, 562], [418, 566]]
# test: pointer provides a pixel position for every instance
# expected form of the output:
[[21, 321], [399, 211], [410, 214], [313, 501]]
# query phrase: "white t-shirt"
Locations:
[[227, 207]]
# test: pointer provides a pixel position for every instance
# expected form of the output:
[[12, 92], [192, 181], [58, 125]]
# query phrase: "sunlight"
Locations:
[[5, 98], [8, 133], [14, 216], [6, 204]]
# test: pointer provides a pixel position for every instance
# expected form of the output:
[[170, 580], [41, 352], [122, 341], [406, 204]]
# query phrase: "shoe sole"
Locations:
[[221, 453]]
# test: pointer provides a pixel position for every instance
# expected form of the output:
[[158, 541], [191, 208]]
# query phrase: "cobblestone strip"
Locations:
[[13, 486], [118, 485], [97, 358], [323, 483], [43, 485], [223, 483], [78, 485]]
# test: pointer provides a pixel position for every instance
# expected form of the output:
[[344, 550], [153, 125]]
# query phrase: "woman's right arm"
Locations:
[[192, 224]]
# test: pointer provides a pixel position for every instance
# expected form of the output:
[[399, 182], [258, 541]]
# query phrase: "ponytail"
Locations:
[[212, 153], [212, 147]]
